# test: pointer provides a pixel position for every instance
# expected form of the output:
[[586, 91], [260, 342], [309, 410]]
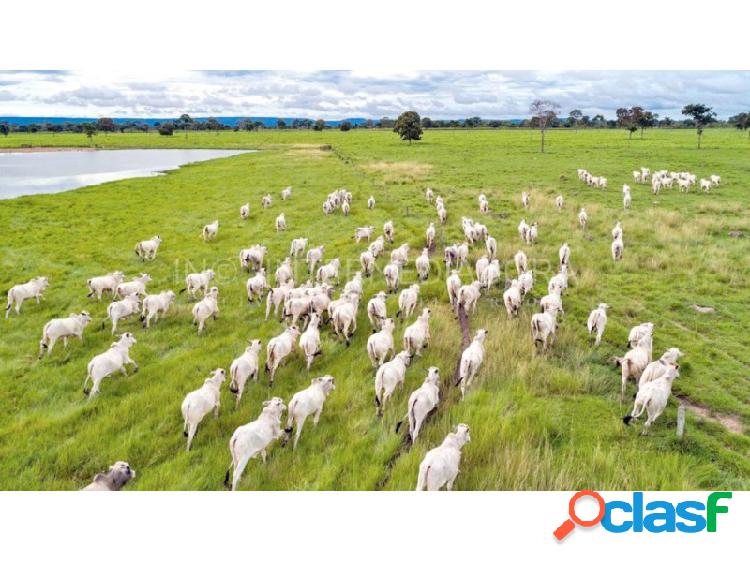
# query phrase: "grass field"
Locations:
[[537, 423]]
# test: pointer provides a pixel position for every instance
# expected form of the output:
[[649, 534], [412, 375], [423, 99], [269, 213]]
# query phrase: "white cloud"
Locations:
[[339, 94]]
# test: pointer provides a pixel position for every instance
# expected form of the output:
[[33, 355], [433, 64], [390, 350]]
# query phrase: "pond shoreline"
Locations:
[[31, 149]]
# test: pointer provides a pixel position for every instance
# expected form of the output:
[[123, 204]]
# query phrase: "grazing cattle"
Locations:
[[453, 284], [522, 228], [314, 256], [309, 341], [153, 305], [102, 284], [64, 328], [659, 368], [468, 296], [195, 282], [543, 328], [559, 202], [559, 281], [440, 465], [308, 402], [388, 377], [113, 480], [256, 285], [564, 254], [135, 287], [583, 218], [653, 397], [442, 215], [637, 333], [266, 201], [430, 235], [428, 194], [422, 265], [112, 360], [521, 261], [715, 180], [118, 310], [280, 222], [401, 255], [298, 247], [392, 273], [33, 289], [363, 233], [617, 249], [380, 344], [329, 272], [252, 439], [636, 360], [471, 360], [367, 261], [526, 282], [245, 211], [285, 273], [345, 208], [597, 322], [253, 257], [210, 231], [207, 308], [481, 264], [626, 201], [276, 297], [417, 335], [244, 367], [525, 200], [377, 246], [552, 300], [200, 402], [278, 349], [376, 310], [344, 317], [407, 301], [491, 245], [491, 275], [371, 202], [423, 401], [146, 250], [286, 193], [617, 231], [388, 231]]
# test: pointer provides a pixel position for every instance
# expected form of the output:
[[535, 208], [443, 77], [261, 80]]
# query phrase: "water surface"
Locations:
[[32, 173]]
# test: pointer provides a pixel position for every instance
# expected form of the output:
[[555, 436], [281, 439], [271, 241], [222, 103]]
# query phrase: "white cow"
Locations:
[[33, 289], [598, 321], [104, 283], [309, 341], [195, 282], [417, 335], [440, 465], [153, 305], [210, 231], [244, 367], [200, 402], [306, 403], [64, 328], [245, 211], [380, 344], [125, 308], [207, 308], [423, 401], [112, 360], [653, 397], [471, 360], [135, 287], [407, 301], [298, 247], [252, 439], [278, 349], [388, 377], [146, 250]]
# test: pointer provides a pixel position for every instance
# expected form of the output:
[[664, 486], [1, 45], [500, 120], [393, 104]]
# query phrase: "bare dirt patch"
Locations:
[[733, 424], [399, 172], [308, 150]]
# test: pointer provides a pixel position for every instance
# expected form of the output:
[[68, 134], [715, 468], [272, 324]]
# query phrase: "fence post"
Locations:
[[680, 421]]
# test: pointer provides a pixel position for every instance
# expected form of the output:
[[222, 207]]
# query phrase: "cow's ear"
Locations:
[[267, 403]]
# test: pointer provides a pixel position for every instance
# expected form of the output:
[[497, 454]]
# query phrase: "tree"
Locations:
[[408, 126], [542, 114], [89, 129], [105, 124], [319, 125], [575, 116], [166, 129], [625, 120], [426, 123], [647, 119], [212, 124], [345, 126], [741, 121], [4, 129], [280, 124], [702, 115], [472, 122]]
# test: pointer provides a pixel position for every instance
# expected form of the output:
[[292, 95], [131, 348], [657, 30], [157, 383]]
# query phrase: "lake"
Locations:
[[32, 173]]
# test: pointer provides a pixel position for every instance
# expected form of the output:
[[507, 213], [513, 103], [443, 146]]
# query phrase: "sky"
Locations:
[[340, 94]]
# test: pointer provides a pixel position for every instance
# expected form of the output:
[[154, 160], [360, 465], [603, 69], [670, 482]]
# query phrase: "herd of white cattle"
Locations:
[[310, 305]]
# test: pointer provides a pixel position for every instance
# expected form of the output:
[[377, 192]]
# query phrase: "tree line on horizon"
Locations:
[[543, 115]]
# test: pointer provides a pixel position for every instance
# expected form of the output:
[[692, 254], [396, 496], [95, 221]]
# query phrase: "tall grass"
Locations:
[[537, 423]]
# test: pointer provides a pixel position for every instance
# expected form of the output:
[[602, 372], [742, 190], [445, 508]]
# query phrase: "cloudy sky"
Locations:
[[339, 94]]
